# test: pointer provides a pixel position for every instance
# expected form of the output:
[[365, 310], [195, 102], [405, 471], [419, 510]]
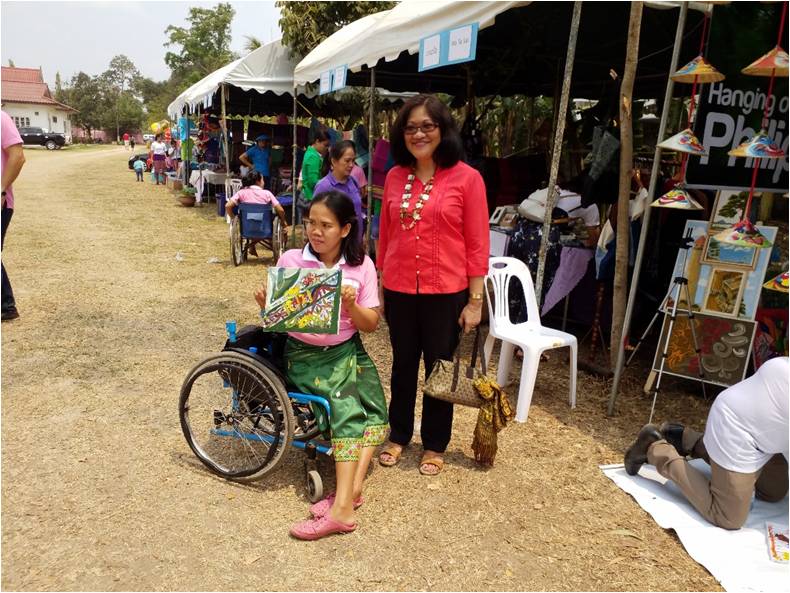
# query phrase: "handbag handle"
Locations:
[[477, 347]]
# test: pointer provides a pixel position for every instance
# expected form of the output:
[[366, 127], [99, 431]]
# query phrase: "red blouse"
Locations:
[[450, 242]]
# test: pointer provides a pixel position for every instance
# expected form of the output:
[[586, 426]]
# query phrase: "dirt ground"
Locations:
[[101, 492]]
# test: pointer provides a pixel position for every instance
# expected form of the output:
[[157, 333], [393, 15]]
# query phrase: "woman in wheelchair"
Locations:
[[252, 192], [337, 366]]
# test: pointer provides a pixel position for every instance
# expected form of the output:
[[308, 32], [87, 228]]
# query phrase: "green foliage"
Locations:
[[510, 124], [11, 63], [252, 43], [156, 96], [735, 205], [204, 44], [86, 94], [122, 73], [306, 24]]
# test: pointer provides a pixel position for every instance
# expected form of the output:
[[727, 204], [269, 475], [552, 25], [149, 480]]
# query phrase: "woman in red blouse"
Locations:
[[433, 256]]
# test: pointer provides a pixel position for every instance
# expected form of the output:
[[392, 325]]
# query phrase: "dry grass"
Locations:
[[101, 492]]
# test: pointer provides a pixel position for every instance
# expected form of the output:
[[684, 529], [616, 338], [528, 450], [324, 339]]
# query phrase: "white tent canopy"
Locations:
[[266, 69], [386, 34]]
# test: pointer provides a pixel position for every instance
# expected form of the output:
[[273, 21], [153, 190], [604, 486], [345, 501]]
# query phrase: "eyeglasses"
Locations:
[[425, 128]]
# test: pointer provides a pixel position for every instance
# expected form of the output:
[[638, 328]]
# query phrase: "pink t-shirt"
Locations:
[[362, 277], [10, 136], [254, 195], [359, 176]]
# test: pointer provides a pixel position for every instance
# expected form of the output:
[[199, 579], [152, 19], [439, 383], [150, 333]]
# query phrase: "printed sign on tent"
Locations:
[[339, 77], [326, 83], [452, 46]]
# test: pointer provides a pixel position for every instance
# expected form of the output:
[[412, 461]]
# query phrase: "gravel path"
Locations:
[[101, 492]]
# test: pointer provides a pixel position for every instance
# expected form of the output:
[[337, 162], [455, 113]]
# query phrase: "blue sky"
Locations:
[[73, 36]]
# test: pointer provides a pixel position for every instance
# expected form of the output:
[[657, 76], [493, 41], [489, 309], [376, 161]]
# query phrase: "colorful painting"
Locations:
[[724, 349], [699, 273], [724, 292], [770, 337], [302, 300], [728, 209], [778, 539], [725, 254]]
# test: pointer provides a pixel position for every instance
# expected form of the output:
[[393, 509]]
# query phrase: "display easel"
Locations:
[[679, 284]]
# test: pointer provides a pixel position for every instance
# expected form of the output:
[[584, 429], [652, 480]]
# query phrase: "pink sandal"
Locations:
[[322, 507], [313, 529]]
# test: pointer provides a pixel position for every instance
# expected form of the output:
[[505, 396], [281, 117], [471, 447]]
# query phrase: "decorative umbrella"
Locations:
[[779, 283], [677, 198], [760, 146], [685, 141], [774, 63], [743, 234], [698, 70]]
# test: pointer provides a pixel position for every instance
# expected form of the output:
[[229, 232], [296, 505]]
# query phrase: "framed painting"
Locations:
[[725, 344], [725, 289], [717, 253], [302, 300], [728, 209]]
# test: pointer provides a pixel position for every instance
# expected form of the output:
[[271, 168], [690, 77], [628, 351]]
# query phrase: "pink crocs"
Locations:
[[312, 529], [322, 507]]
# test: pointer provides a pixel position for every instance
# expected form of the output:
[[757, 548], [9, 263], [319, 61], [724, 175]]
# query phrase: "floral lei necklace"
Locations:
[[414, 214]]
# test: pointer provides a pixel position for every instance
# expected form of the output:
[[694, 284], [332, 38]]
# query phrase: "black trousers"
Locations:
[[9, 304], [421, 325]]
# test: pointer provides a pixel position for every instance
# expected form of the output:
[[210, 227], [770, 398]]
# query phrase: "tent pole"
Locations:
[[557, 148], [618, 370], [620, 284], [225, 131], [294, 177], [370, 155]]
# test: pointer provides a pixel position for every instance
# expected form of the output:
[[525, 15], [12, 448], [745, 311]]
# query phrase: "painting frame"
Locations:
[[725, 286], [724, 365], [719, 254], [302, 300]]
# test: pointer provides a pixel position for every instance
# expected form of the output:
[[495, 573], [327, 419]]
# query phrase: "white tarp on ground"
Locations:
[[737, 559], [268, 68], [386, 34]]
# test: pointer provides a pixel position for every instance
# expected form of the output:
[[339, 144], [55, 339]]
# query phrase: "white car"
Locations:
[[148, 137]]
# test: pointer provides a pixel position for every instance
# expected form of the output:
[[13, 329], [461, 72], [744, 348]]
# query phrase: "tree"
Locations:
[[85, 94], [156, 96], [11, 63], [306, 24], [205, 44], [252, 43], [119, 77], [59, 93]]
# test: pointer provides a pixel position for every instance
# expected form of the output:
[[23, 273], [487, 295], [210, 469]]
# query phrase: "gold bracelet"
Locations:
[[475, 296]]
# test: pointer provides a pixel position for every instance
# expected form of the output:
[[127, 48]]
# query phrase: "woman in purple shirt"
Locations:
[[338, 163]]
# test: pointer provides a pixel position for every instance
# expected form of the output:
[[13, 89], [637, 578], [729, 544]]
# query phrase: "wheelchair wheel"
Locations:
[[315, 486], [236, 416], [236, 250], [279, 238], [305, 428]]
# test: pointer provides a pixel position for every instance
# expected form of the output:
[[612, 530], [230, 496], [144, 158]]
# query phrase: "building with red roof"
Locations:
[[26, 98]]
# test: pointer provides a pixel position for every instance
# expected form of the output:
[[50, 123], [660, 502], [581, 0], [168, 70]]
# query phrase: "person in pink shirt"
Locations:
[[252, 192], [13, 159], [337, 367], [433, 257]]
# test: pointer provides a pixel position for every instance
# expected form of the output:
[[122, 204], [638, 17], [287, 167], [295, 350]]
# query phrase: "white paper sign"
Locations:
[[326, 82], [430, 51], [460, 44], [339, 78]]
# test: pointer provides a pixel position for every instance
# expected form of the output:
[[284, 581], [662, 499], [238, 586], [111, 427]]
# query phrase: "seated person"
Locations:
[[745, 443], [252, 192]]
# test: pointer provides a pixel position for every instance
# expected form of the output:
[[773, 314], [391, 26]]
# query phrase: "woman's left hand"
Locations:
[[348, 294], [470, 316]]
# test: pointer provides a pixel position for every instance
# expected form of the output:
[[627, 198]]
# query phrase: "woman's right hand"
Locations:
[[260, 297]]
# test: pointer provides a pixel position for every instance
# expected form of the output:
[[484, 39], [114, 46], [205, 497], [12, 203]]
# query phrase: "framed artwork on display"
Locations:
[[716, 253], [725, 344], [699, 273], [724, 293], [728, 209]]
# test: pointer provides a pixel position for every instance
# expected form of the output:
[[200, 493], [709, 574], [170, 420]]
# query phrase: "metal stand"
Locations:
[[679, 283]]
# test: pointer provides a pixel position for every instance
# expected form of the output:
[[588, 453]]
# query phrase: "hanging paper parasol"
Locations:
[[743, 234], [775, 62], [698, 69], [780, 283], [677, 198], [685, 141], [759, 147]]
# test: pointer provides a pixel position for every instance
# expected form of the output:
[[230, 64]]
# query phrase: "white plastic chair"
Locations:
[[530, 335], [232, 186]]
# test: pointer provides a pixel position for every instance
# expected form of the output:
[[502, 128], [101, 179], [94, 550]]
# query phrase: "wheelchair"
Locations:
[[239, 416], [255, 223]]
